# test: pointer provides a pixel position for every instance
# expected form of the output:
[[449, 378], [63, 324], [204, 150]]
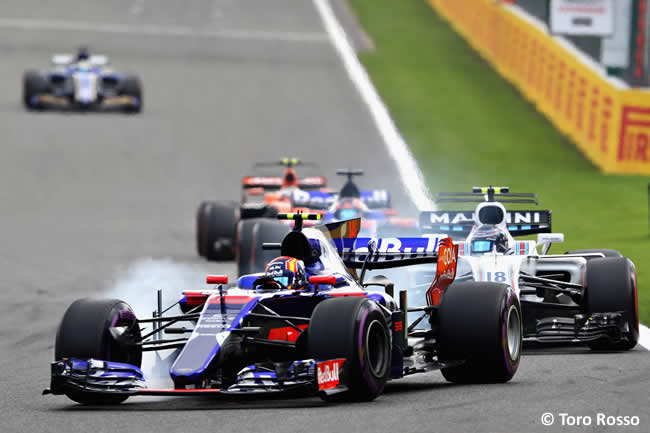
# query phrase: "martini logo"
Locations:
[[455, 217]]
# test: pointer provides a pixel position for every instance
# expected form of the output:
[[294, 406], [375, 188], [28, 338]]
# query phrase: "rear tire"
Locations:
[[131, 86], [353, 328], [611, 287], [245, 246], [83, 333], [34, 84], [480, 324], [215, 230]]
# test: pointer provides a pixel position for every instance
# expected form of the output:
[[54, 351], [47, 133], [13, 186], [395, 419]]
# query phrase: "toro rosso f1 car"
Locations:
[[587, 296], [82, 82], [372, 206], [307, 324]]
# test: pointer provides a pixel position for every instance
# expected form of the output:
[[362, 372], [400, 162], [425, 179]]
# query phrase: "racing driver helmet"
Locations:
[[285, 273], [488, 238], [83, 54]]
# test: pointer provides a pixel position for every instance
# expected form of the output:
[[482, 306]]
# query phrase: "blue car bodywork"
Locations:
[[237, 330]]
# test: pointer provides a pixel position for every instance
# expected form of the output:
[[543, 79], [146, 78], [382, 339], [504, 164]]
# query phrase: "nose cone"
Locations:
[[196, 357]]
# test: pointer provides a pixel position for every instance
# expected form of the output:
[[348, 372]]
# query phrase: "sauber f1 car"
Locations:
[[229, 230], [82, 82], [587, 296], [307, 324]]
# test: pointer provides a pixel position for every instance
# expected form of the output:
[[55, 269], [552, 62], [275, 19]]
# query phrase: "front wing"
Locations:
[[105, 377], [49, 101]]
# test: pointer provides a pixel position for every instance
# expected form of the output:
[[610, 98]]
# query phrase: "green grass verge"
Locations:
[[468, 127]]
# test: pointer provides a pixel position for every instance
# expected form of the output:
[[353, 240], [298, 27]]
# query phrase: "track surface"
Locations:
[[104, 205]]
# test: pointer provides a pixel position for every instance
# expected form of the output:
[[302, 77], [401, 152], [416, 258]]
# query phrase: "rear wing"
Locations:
[[275, 182], [66, 59], [374, 199], [460, 223], [389, 252], [489, 193]]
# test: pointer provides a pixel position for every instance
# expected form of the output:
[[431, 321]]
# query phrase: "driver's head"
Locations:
[[286, 273], [488, 238], [348, 208], [83, 54]]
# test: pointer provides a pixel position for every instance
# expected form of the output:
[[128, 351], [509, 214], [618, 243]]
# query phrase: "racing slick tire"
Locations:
[[216, 224], [611, 287], [131, 86], [356, 329], [605, 252], [245, 246], [33, 84], [480, 326], [265, 231], [84, 333]]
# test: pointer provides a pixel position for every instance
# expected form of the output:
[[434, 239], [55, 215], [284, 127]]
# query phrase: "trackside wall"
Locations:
[[609, 122]]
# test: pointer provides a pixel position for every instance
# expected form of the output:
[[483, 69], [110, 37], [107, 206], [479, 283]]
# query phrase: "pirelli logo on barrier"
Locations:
[[635, 134], [607, 121]]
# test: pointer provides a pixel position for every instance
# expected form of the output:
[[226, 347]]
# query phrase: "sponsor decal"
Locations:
[[512, 217], [446, 271], [327, 373], [262, 181], [387, 248], [313, 181], [635, 135]]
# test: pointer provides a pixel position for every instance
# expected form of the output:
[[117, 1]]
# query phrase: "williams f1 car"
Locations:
[[584, 296], [306, 325], [82, 82]]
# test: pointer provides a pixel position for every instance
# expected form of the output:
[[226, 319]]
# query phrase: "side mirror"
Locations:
[[322, 279], [216, 279], [545, 240]]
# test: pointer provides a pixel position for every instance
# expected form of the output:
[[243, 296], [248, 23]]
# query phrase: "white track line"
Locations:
[[398, 150], [156, 30], [409, 171], [644, 336]]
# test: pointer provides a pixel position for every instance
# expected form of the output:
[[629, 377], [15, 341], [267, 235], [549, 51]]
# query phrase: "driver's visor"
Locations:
[[284, 281], [481, 246]]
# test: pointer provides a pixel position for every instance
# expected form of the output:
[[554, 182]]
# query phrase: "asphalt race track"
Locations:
[[103, 204]]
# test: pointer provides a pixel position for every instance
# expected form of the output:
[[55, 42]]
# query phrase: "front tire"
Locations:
[[131, 86], [480, 326], [34, 84], [611, 287], [84, 333], [353, 328]]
